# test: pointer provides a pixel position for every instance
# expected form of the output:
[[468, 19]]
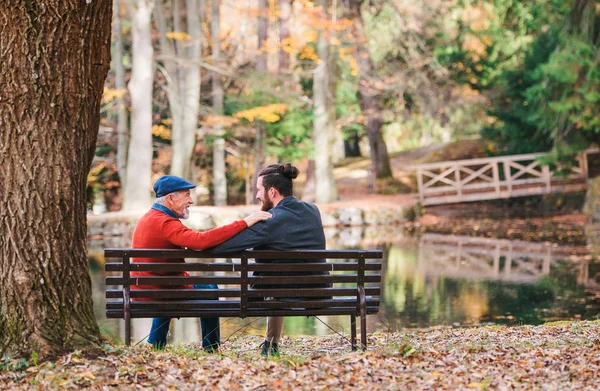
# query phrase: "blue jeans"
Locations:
[[211, 332]]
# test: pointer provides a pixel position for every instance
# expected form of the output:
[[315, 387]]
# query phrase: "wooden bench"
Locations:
[[354, 281]]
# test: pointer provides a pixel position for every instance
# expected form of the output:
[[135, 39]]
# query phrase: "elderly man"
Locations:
[[295, 225], [161, 228]]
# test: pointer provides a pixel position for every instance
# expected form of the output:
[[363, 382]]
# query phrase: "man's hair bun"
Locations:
[[289, 171]]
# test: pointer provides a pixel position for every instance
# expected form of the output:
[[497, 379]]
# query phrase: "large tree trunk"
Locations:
[[122, 129], [54, 58], [370, 98], [219, 178], [323, 126], [139, 158]]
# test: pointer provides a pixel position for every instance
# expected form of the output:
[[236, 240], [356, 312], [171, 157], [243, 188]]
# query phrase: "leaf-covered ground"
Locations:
[[559, 356]]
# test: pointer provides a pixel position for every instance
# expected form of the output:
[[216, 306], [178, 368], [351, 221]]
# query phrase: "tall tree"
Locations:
[[284, 14], [263, 24], [324, 123], [54, 59], [122, 128], [139, 158], [219, 178], [371, 97], [180, 38]]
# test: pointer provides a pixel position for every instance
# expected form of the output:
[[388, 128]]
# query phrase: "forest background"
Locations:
[[212, 90]]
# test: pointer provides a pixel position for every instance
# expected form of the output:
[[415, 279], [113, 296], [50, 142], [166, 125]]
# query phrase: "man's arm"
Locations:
[[251, 237]]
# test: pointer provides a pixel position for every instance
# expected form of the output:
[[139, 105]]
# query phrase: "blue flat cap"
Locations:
[[169, 183]]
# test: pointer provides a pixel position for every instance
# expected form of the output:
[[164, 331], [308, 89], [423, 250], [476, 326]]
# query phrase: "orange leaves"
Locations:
[[269, 113], [562, 356], [161, 131], [179, 35], [219, 120]]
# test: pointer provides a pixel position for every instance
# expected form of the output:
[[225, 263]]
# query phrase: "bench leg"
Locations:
[[363, 330], [127, 330], [363, 317], [353, 332], [127, 316]]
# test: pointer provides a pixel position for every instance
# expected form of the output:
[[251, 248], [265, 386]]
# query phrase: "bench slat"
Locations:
[[236, 313], [262, 254], [232, 304], [252, 293], [300, 280], [236, 267], [173, 293], [174, 280], [262, 280], [309, 292], [176, 305], [323, 304]]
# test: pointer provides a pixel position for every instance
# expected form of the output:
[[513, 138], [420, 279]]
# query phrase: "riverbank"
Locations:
[[562, 355], [371, 210]]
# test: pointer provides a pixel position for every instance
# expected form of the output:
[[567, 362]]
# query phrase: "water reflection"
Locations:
[[427, 281]]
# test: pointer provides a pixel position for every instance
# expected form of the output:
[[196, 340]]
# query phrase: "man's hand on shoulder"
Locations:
[[255, 217]]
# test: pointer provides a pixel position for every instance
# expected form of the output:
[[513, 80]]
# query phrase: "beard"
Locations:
[[185, 213], [267, 204]]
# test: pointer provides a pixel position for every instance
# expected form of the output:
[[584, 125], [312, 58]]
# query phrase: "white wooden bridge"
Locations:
[[496, 177], [489, 259]]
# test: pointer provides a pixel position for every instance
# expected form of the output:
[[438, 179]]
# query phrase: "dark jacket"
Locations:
[[295, 225]]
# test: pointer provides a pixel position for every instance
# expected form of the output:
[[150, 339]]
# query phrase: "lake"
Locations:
[[430, 280]]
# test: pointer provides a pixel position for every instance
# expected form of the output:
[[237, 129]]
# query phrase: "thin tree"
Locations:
[[180, 36], [324, 125], [54, 60], [122, 128], [219, 178], [371, 98], [139, 157]]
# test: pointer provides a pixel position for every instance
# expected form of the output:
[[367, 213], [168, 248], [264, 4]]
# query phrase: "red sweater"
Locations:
[[157, 230]]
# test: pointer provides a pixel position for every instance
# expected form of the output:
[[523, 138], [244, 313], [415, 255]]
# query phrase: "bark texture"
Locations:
[[54, 57], [324, 123], [370, 97], [219, 178], [122, 128], [136, 194]]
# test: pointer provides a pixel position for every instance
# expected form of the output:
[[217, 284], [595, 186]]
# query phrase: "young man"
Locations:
[[294, 225], [161, 228]]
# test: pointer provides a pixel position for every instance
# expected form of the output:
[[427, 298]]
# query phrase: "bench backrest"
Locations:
[[348, 272]]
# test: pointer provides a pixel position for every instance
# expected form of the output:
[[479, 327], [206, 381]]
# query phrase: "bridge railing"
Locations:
[[495, 177]]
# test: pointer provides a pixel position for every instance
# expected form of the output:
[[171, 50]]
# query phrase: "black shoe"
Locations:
[[211, 348], [269, 349]]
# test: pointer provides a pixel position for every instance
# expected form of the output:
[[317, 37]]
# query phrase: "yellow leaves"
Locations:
[[308, 53], [161, 131], [310, 35], [218, 120], [88, 375], [111, 94], [353, 67], [95, 171], [269, 113], [179, 35]]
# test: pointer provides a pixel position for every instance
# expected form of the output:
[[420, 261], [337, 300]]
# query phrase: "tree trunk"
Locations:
[[370, 98], [122, 129], [285, 13], [219, 178], [54, 60], [181, 66], [325, 190], [263, 24], [139, 157]]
